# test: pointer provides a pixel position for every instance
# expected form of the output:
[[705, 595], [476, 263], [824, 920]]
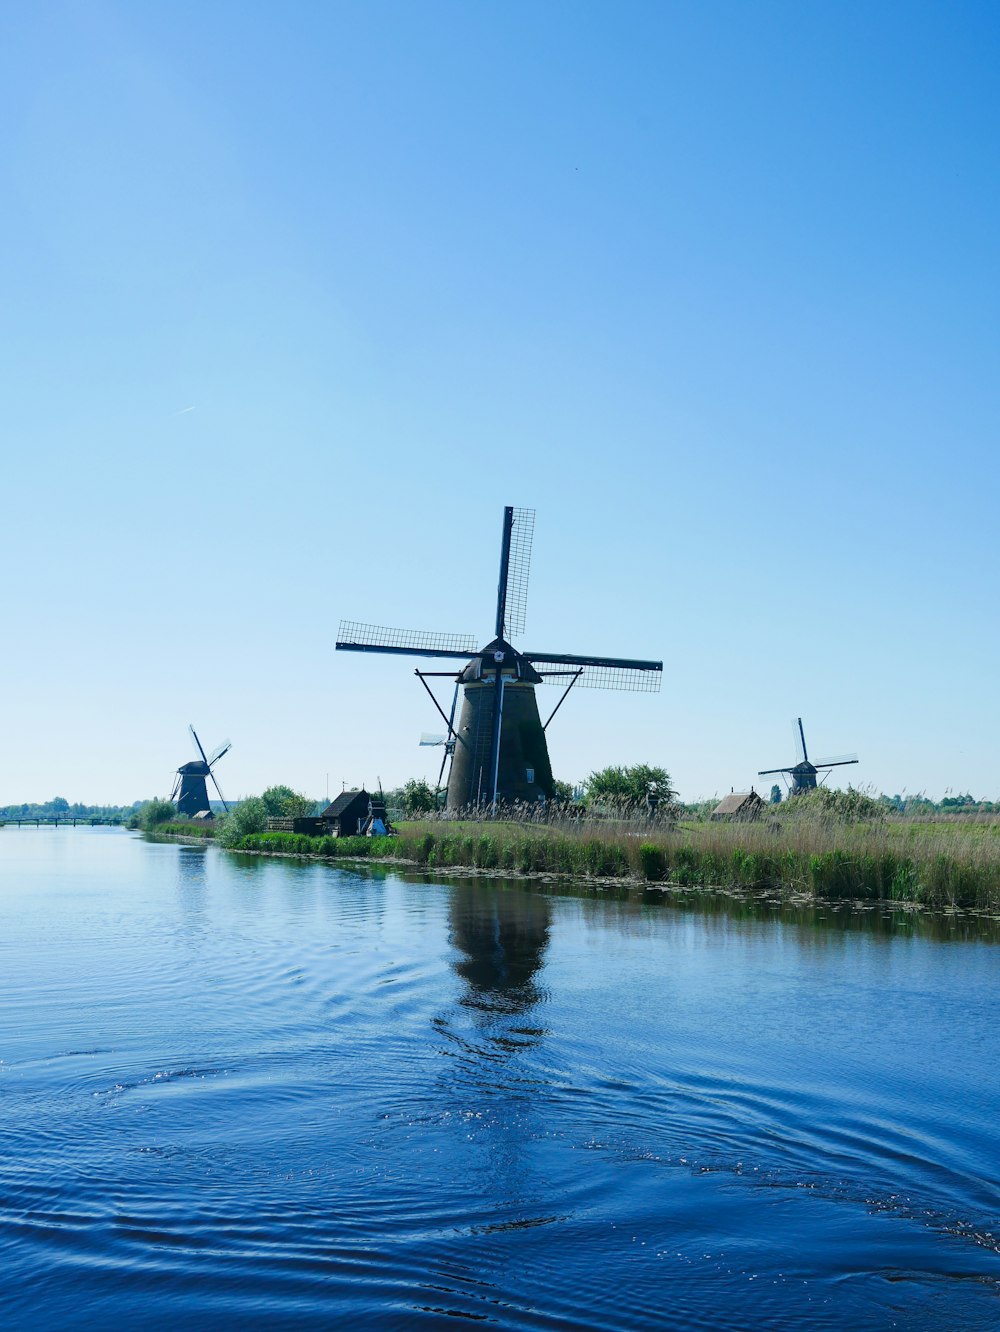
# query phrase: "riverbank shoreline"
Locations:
[[749, 881]]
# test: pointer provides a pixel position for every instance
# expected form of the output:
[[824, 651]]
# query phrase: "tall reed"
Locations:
[[894, 860]]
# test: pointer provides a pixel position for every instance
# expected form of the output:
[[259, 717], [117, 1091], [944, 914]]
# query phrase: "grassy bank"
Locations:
[[939, 865], [185, 828]]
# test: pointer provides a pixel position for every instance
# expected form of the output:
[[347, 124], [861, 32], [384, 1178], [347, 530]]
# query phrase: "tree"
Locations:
[[775, 794], [281, 802], [154, 812], [562, 792], [418, 798], [249, 816], [629, 785]]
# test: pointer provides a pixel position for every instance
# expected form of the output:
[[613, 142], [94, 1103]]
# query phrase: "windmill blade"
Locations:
[[801, 753], [353, 636], [772, 772], [620, 673], [219, 789], [176, 787], [431, 740], [515, 566], [522, 535], [837, 762], [197, 742], [218, 752]]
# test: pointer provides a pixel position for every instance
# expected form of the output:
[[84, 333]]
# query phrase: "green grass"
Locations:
[[934, 863], [185, 828]]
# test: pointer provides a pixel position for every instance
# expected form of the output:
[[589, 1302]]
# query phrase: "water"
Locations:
[[238, 1092]]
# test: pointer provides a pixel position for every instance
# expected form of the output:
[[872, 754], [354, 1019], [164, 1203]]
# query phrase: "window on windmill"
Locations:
[[529, 774]]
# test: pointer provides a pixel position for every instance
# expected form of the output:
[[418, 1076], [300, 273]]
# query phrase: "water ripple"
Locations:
[[255, 1094]]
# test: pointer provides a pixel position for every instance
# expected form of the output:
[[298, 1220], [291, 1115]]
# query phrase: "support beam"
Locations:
[[562, 697], [420, 676]]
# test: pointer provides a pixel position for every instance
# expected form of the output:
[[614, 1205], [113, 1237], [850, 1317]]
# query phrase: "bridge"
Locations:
[[54, 820]]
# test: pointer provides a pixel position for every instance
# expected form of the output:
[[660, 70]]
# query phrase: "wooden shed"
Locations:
[[348, 814], [738, 806]]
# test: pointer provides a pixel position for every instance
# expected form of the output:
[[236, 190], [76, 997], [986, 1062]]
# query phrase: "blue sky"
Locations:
[[297, 297]]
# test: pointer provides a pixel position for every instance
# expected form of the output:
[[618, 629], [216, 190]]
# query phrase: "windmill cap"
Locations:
[[499, 653]]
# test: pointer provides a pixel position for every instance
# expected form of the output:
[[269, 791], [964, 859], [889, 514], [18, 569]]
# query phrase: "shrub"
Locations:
[[154, 813], [850, 806], [249, 816], [652, 862]]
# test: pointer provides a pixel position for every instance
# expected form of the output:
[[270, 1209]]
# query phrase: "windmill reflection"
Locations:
[[494, 1080], [191, 888], [502, 935], [191, 865]]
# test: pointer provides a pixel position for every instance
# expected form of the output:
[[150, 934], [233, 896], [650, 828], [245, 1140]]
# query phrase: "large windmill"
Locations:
[[498, 750], [190, 788], [803, 773]]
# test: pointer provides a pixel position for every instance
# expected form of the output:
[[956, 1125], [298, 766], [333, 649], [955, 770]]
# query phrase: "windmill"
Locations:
[[190, 789], [498, 749], [803, 773]]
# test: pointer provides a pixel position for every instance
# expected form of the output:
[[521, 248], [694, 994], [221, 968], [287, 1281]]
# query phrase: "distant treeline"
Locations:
[[60, 808], [959, 804], [916, 805]]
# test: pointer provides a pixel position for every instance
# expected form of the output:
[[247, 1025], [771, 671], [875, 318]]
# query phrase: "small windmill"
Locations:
[[498, 750], [803, 774], [190, 788]]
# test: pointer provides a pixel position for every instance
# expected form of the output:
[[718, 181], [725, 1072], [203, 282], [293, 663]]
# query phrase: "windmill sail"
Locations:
[[800, 741], [355, 637], [498, 749], [197, 743], [804, 772], [190, 790], [515, 566], [621, 673]]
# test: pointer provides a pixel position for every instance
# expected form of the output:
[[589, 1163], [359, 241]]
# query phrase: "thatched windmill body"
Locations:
[[190, 791], [498, 750]]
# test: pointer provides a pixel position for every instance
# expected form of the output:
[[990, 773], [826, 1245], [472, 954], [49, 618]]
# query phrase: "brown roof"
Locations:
[[735, 801], [343, 803]]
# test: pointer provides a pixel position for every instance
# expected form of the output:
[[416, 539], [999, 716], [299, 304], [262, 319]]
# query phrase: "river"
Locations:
[[246, 1092]]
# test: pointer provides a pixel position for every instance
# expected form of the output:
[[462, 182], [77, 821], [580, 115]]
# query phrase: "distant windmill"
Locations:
[[190, 789], [498, 751], [803, 773]]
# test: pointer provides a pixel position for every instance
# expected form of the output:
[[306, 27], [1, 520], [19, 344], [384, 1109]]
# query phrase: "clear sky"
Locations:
[[297, 296]]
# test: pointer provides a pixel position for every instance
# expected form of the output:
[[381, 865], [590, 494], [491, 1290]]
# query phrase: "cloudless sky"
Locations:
[[296, 297]]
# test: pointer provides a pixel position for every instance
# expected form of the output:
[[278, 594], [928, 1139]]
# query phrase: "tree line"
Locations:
[[61, 808]]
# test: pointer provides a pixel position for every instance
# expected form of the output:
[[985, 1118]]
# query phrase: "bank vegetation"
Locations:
[[833, 846]]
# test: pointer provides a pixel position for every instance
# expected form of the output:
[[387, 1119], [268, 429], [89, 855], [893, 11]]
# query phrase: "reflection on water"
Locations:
[[502, 933], [246, 1092], [191, 866], [887, 919]]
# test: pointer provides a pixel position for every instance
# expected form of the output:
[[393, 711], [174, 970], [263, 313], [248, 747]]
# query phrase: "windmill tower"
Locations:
[[498, 750], [190, 788], [803, 774]]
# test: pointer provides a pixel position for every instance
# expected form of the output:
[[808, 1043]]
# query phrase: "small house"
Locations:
[[347, 816], [738, 807]]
